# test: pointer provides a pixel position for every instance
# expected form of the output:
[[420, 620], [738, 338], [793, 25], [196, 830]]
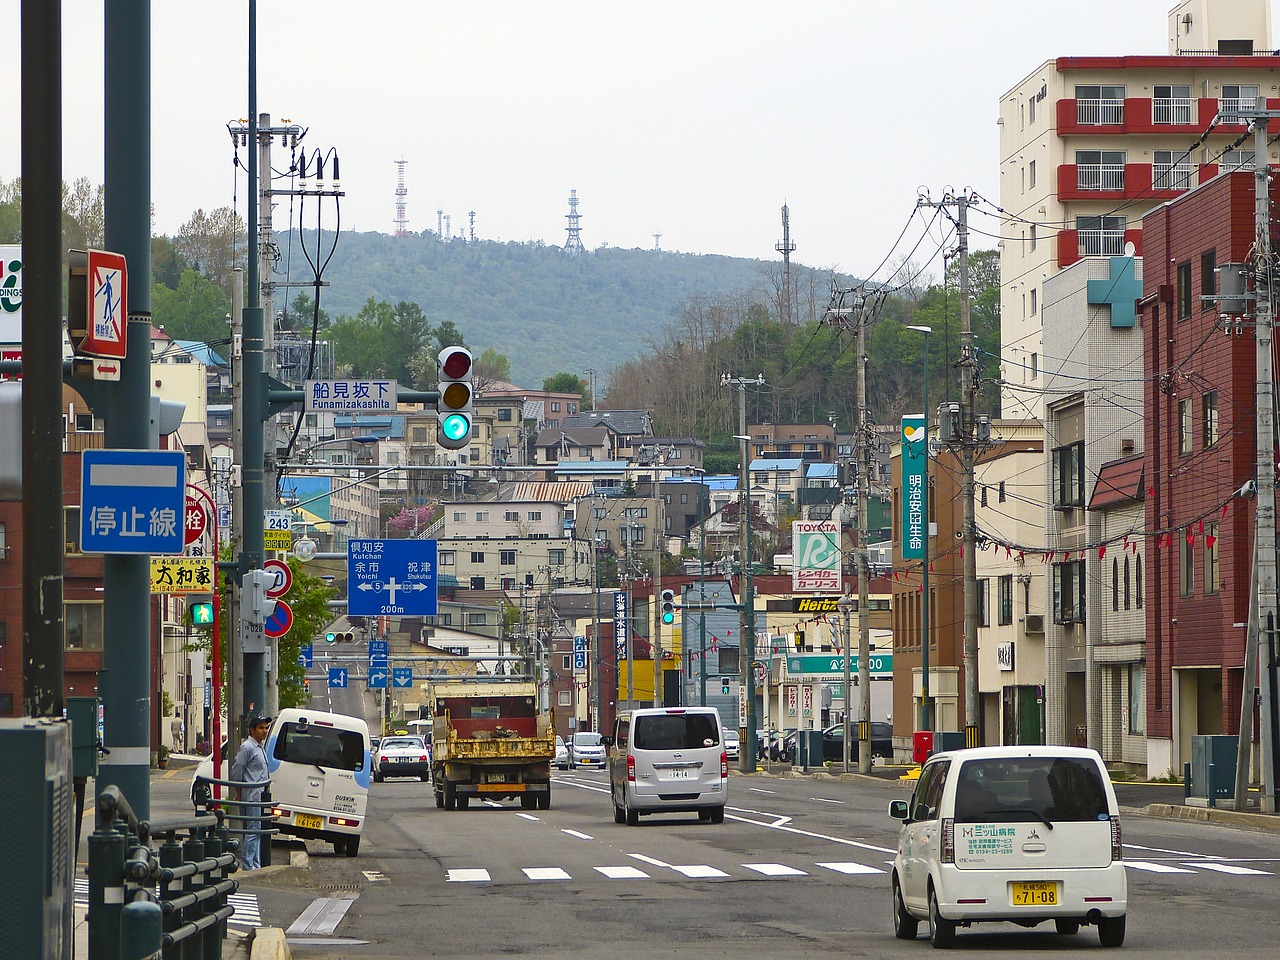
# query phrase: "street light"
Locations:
[[305, 548], [925, 719]]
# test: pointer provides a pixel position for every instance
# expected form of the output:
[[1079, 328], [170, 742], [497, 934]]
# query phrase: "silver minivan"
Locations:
[[668, 760]]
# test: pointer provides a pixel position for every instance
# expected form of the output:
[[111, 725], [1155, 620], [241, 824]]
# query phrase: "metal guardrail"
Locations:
[[170, 901]]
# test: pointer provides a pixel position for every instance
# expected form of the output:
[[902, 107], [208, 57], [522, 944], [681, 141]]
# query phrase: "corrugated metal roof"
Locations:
[[776, 463], [821, 471]]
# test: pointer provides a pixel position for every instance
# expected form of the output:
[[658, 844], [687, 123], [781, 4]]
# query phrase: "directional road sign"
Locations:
[[365, 396], [282, 578], [806, 666], [379, 674], [386, 577], [279, 621], [402, 676], [379, 648], [132, 501], [306, 655], [337, 676]]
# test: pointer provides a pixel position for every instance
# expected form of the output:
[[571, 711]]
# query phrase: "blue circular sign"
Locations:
[[281, 619]]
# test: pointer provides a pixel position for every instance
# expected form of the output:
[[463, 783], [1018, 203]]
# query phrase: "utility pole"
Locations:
[[655, 648], [962, 432], [747, 614]]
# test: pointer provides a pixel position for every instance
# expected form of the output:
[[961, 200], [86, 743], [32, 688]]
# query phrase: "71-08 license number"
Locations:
[[1036, 893]]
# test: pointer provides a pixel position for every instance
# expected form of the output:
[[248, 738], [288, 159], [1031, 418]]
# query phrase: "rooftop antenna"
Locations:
[[786, 247], [402, 219], [573, 245]]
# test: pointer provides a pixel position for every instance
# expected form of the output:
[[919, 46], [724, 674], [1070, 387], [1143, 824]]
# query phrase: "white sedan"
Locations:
[[402, 757], [732, 745]]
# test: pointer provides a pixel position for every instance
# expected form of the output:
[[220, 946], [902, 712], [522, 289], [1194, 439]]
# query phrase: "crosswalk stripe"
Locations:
[[623, 873], [775, 870], [467, 876], [698, 871], [546, 873], [1230, 868], [248, 913], [849, 867], [1154, 867]]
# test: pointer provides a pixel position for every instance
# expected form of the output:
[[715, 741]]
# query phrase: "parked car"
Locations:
[[402, 757], [1014, 834], [732, 745], [881, 742], [562, 754], [586, 749]]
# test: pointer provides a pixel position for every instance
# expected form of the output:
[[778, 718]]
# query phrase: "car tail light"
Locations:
[[724, 765], [343, 822], [279, 812], [631, 769], [1117, 850], [948, 840], [424, 759]]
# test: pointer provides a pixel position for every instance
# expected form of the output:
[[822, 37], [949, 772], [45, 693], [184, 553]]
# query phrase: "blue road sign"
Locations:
[[306, 656], [379, 648], [132, 501], [402, 676], [391, 577], [337, 676], [379, 674]]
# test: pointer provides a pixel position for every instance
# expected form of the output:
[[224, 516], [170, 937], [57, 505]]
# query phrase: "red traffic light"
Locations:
[[455, 362]]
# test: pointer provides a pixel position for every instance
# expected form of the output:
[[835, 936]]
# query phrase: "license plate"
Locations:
[[310, 822], [680, 775], [497, 778], [1039, 893]]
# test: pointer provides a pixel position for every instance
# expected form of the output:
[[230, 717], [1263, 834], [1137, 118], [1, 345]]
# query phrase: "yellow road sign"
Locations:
[[277, 539], [182, 574]]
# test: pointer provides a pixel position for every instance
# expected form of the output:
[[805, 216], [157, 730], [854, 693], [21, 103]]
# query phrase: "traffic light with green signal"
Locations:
[[455, 405], [668, 607], [201, 613], [330, 637], [724, 685]]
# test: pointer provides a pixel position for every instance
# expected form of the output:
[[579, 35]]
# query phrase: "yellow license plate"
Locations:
[[310, 822], [1039, 893]]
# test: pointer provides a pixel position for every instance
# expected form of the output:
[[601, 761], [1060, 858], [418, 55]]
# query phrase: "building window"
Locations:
[[1100, 236], [1186, 565], [2, 633], [1031, 176], [1137, 699], [1212, 572], [507, 558], [482, 516], [1100, 169], [1035, 365], [1034, 298], [535, 514], [1068, 592], [1032, 235], [477, 583], [1184, 426], [1211, 418], [984, 495], [1236, 160], [1068, 470], [504, 415], [1184, 290], [1115, 583], [1128, 595], [71, 528], [1172, 170], [477, 556], [4, 543], [1171, 104], [555, 407], [1031, 112], [1000, 495], [511, 516], [459, 517], [447, 558], [477, 619], [1236, 97], [1208, 278], [555, 558], [508, 583], [1100, 103], [83, 626], [1005, 613], [528, 579], [984, 602], [1137, 581]]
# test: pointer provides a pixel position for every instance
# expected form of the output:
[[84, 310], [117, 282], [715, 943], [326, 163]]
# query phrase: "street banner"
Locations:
[[915, 450]]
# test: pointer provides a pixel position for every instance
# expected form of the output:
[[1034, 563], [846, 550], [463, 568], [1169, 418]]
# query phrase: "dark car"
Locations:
[[881, 742]]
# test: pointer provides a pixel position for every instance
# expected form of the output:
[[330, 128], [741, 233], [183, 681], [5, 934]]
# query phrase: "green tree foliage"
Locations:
[[300, 315], [214, 244], [11, 211], [167, 262], [569, 383], [491, 367], [196, 310], [308, 598], [83, 217]]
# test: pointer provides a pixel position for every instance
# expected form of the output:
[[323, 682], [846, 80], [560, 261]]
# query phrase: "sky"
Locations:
[[695, 119]]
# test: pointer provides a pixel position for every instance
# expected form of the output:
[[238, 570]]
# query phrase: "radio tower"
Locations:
[[440, 224], [573, 245], [785, 247], [657, 242], [402, 220], [471, 214]]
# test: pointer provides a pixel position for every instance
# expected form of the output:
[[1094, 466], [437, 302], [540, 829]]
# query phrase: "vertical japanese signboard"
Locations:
[[815, 551], [620, 622], [915, 451]]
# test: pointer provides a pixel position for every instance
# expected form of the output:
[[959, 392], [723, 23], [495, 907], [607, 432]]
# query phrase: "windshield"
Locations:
[[1031, 788], [586, 739], [676, 731], [321, 745], [403, 743]]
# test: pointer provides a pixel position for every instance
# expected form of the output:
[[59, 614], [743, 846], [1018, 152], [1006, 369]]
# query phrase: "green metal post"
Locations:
[[193, 852], [140, 931], [125, 681], [171, 856], [106, 890]]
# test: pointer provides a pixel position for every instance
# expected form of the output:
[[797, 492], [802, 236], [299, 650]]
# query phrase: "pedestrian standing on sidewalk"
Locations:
[[250, 766]]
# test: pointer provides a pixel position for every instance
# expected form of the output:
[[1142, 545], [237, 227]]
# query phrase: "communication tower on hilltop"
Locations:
[[785, 247], [448, 227], [573, 245], [439, 223], [402, 219], [657, 243], [471, 215]]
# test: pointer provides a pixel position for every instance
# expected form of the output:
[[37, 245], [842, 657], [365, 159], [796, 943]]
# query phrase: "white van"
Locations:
[[1017, 834], [665, 760], [320, 767]]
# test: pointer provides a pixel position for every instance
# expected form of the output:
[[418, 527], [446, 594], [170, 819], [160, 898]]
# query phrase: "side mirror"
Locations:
[[607, 741], [898, 809]]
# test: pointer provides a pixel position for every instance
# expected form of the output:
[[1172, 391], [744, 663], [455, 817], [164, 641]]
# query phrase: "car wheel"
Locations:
[[339, 847], [905, 926], [1111, 931], [352, 846], [377, 777], [424, 777], [633, 816], [717, 814], [942, 932], [618, 815], [528, 801], [464, 802], [450, 796], [544, 800], [439, 798], [1067, 928]]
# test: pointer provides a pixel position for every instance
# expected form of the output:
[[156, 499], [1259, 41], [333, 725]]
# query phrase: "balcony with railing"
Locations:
[[1074, 245], [1100, 176], [1174, 176], [1172, 110], [1092, 113], [1156, 116], [1229, 108]]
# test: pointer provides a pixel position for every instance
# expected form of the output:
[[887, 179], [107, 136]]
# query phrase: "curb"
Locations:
[[1230, 818], [269, 943]]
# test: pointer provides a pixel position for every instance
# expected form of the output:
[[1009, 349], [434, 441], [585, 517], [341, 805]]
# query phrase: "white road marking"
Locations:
[[467, 876], [698, 871], [1230, 868], [321, 917], [650, 860], [850, 868], [373, 876], [527, 816], [825, 800], [580, 836], [781, 825], [775, 870], [623, 873], [546, 873], [762, 790], [1154, 867]]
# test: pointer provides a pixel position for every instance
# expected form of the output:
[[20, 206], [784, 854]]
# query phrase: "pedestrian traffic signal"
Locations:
[[202, 613], [455, 404], [799, 640], [668, 606], [724, 685]]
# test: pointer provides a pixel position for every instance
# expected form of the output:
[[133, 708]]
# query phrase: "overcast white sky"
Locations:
[[693, 118]]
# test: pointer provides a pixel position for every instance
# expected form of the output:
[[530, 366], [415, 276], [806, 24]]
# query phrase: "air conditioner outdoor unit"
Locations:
[[1034, 623]]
